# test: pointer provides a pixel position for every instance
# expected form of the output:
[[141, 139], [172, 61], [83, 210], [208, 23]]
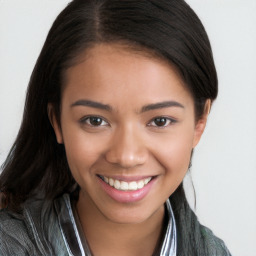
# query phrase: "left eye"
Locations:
[[94, 121], [161, 121]]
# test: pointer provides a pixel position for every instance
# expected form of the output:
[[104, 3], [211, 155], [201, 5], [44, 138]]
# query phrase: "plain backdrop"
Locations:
[[224, 164]]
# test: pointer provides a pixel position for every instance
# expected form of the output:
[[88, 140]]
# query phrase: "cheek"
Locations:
[[82, 151], [174, 154]]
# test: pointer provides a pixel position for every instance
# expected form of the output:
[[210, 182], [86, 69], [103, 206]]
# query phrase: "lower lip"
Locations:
[[127, 196]]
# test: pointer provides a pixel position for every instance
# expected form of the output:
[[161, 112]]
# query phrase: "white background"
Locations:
[[224, 166]]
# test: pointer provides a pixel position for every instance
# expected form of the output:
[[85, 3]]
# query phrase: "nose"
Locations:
[[127, 148]]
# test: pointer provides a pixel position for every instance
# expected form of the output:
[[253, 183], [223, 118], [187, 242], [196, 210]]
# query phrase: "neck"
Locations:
[[106, 237]]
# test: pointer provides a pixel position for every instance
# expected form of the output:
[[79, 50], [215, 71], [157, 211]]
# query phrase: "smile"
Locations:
[[126, 186]]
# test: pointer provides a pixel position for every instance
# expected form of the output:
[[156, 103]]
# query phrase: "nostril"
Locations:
[[125, 160]]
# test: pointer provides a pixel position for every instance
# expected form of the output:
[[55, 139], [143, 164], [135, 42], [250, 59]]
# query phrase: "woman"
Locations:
[[118, 100]]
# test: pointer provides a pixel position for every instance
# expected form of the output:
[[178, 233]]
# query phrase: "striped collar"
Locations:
[[76, 243]]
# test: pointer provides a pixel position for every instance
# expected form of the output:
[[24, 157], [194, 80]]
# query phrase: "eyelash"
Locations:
[[167, 121]]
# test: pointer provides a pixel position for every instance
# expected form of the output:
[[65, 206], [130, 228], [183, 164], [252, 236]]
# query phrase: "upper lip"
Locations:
[[127, 178]]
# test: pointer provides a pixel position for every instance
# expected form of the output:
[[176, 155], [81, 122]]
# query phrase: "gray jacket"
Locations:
[[50, 228]]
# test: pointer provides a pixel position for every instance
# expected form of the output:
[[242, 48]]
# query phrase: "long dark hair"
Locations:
[[168, 29]]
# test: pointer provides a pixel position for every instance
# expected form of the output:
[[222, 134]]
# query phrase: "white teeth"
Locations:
[[127, 186], [111, 182], [117, 184], [124, 185], [140, 184], [133, 185], [147, 180]]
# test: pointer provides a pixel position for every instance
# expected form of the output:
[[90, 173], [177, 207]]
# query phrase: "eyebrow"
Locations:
[[154, 106], [160, 105], [93, 104]]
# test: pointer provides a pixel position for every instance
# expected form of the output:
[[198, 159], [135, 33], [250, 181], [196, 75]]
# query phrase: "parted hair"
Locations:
[[168, 29]]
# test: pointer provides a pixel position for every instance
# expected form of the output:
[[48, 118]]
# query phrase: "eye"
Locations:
[[94, 121], [161, 121]]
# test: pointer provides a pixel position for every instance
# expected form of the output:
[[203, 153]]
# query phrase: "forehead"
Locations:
[[107, 72]]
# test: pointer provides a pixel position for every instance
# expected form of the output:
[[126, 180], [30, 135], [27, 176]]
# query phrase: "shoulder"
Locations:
[[214, 245], [26, 232], [14, 232]]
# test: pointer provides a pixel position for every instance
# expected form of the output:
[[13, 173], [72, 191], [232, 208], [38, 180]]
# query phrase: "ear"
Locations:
[[201, 123], [55, 124]]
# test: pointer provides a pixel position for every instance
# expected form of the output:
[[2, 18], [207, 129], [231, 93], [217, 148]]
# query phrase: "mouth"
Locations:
[[121, 185]]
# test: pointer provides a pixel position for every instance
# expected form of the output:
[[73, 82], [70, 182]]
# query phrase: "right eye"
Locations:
[[161, 122], [94, 121]]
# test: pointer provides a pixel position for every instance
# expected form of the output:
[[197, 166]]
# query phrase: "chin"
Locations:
[[131, 214], [126, 218]]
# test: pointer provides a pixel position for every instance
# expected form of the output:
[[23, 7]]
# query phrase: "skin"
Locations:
[[128, 143]]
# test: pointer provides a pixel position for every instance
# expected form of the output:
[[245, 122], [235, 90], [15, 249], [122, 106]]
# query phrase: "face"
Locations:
[[128, 127]]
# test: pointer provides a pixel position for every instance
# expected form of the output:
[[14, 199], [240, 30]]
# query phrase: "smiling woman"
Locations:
[[128, 154], [118, 100]]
